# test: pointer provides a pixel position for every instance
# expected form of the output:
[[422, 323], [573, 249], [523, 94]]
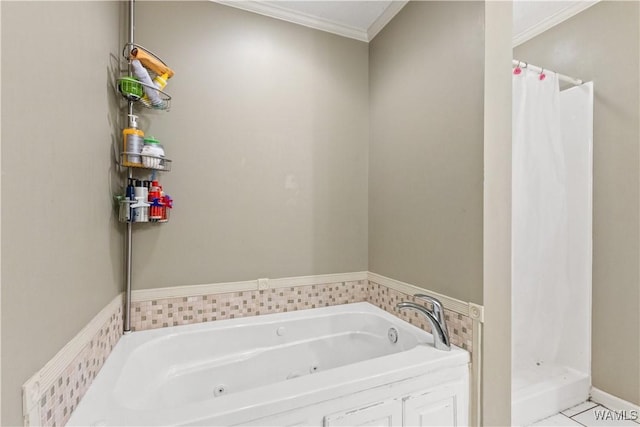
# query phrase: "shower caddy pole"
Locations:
[[158, 201], [129, 233]]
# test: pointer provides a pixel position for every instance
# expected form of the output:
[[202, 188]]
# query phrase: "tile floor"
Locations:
[[589, 414]]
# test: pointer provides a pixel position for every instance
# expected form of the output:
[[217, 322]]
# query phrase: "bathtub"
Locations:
[[343, 365]]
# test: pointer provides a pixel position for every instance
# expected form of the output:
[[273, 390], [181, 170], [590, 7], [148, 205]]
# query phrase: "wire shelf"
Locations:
[[147, 95], [130, 92], [130, 159], [126, 214]]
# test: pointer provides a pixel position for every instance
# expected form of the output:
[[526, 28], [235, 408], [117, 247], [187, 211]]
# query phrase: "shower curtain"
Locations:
[[539, 224]]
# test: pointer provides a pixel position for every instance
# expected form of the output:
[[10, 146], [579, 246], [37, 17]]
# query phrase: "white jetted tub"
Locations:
[[327, 366]]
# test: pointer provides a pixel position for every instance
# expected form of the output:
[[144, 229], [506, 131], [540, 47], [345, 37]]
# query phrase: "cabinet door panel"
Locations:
[[382, 414], [444, 405], [426, 412]]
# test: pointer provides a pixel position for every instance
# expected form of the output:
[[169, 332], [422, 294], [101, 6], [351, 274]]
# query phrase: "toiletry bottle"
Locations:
[[131, 196], [162, 210], [155, 210], [167, 203], [154, 187], [161, 81], [137, 212], [151, 153], [145, 209], [154, 200], [151, 95], [141, 213], [133, 139]]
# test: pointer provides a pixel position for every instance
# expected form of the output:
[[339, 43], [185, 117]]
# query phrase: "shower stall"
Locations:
[[551, 242]]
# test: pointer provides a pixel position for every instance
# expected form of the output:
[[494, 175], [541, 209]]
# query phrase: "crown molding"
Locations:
[[552, 20], [388, 14], [304, 19]]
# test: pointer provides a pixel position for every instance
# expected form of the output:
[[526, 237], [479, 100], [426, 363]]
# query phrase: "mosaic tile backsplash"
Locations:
[[204, 308], [58, 402], [460, 326]]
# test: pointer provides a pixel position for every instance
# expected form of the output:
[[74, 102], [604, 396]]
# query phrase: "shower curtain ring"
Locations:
[[517, 70]]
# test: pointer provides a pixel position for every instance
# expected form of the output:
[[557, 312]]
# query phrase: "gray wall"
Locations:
[[602, 44], [426, 154], [268, 132], [61, 248]]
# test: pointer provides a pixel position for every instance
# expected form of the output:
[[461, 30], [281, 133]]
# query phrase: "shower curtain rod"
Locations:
[[537, 69]]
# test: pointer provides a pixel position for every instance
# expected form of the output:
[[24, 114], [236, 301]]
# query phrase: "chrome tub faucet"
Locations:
[[436, 319]]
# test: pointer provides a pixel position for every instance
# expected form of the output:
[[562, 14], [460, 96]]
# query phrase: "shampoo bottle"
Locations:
[[131, 197], [133, 140]]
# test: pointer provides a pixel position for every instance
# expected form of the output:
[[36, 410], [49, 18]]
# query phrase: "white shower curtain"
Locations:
[[539, 222]]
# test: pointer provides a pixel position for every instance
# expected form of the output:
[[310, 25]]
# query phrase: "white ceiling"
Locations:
[[362, 20], [531, 18]]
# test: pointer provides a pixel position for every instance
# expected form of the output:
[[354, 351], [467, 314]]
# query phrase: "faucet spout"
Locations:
[[438, 327], [438, 310]]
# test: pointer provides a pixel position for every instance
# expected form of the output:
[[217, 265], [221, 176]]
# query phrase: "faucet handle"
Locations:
[[438, 308]]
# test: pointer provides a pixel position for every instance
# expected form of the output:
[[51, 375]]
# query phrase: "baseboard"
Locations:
[[610, 401]]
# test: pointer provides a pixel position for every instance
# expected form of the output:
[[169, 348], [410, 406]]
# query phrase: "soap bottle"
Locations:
[[133, 141], [161, 81]]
